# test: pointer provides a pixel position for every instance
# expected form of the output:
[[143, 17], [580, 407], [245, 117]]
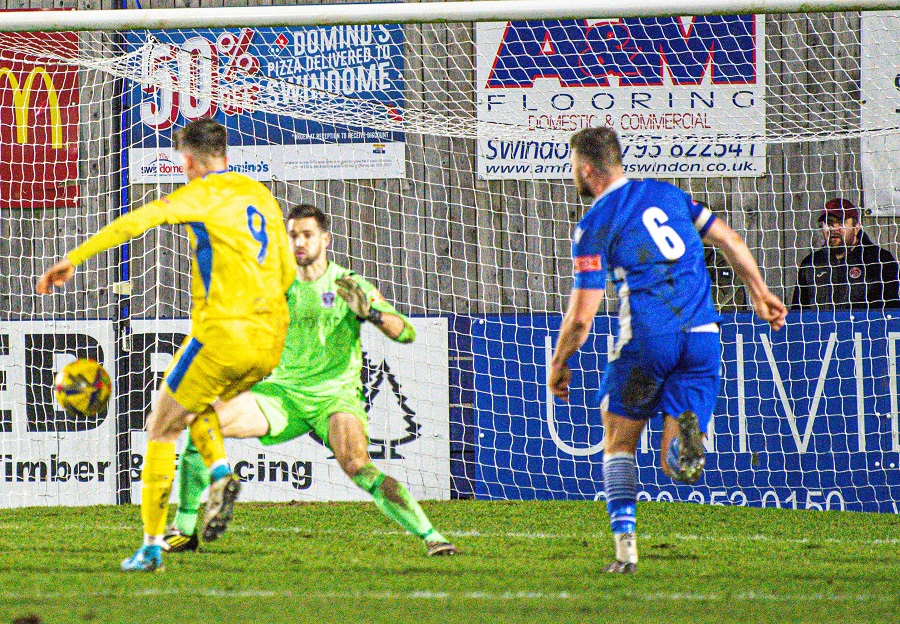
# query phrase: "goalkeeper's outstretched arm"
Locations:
[[768, 307], [368, 305]]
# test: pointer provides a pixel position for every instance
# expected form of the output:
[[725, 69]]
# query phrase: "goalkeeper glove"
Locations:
[[351, 292]]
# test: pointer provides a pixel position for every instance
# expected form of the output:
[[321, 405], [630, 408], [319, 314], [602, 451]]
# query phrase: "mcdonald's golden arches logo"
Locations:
[[22, 93]]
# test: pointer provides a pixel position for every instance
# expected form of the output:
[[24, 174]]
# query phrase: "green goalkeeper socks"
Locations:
[[193, 478], [390, 496], [396, 503]]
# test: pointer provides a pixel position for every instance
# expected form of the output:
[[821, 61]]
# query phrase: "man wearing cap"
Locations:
[[850, 270]]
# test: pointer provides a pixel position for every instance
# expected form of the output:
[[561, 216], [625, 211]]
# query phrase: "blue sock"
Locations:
[[620, 483], [672, 457]]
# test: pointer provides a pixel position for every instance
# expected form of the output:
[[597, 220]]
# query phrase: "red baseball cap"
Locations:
[[840, 208]]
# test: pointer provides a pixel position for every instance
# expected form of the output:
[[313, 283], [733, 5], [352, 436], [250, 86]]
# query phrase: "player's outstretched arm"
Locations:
[[768, 307], [120, 230], [576, 325], [55, 276], [391, 323]]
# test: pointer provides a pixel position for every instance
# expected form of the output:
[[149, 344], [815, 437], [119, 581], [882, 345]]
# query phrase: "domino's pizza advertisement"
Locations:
[[349, 76], [687, 94]]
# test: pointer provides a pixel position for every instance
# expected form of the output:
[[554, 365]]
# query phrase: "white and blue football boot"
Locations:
[[146, 559]]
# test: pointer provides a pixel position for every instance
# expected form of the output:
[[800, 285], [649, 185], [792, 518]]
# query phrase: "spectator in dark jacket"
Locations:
[[850, 270]]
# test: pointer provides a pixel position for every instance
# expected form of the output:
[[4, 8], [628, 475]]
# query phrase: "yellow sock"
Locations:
[[156, 485], [207, 437]]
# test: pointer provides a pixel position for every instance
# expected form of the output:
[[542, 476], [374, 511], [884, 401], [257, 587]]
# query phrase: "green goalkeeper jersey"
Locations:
[[323, 349]]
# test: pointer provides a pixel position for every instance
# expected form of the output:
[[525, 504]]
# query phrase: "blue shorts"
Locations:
[[671, 374]]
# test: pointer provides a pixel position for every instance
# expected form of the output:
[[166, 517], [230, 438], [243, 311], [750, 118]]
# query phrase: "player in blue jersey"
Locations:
[[647, 237]]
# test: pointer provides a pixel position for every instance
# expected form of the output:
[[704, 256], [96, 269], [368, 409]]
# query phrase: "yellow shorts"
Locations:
[[220, 362]]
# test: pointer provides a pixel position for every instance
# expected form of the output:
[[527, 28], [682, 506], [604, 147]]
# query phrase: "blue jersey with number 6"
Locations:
[[646, 235]]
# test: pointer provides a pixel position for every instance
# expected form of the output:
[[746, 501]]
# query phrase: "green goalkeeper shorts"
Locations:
[[291, 412]]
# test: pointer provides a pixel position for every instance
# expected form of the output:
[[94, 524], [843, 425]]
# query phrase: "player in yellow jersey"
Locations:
[[241, 268]]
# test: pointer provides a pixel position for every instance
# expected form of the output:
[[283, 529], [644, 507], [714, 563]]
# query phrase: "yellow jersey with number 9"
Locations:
[[241, 261]]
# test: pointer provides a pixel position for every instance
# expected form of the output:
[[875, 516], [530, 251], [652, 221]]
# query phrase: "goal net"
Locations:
[[439, 153]]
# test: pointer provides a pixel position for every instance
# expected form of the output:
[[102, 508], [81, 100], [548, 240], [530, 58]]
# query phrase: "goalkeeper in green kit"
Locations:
[[316, 387]]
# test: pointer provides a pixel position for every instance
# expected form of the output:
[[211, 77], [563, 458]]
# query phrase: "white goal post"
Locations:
[[434, 135]]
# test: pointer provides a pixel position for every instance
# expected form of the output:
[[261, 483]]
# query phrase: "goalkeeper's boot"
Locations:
[[146, 559], [223, 493], [177, 541], [439, 549], [691, 456]]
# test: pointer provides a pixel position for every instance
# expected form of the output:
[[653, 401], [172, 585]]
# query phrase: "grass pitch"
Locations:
[[520, 562]]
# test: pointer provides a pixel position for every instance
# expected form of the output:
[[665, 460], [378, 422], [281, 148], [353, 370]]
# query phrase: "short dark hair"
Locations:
[[306, 211], [599, 146], [204, 138]]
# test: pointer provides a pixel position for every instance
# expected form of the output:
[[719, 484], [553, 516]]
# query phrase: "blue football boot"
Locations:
[[146, 559]]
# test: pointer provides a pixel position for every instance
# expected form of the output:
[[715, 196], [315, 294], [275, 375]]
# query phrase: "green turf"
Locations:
[[520, 561]]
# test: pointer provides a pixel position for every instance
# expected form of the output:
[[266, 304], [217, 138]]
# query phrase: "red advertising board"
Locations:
[[38, 122]]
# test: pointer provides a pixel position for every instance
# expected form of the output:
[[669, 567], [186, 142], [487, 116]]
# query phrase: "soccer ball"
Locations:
[[83, 388]]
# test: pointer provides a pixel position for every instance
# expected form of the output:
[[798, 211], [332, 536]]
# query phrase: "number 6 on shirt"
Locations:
[[670, 244]]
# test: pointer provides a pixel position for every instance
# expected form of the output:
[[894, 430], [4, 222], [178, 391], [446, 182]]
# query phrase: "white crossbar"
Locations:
[[403, 13]]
